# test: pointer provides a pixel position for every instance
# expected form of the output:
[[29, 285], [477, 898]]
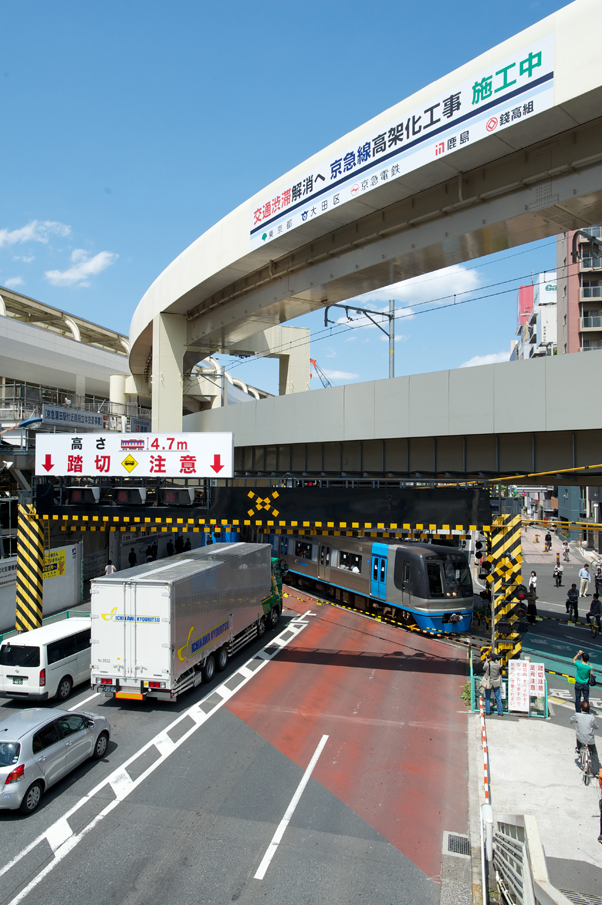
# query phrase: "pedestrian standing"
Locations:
[[548, 543], [179, 544], [170, 548], [149, 553], [187, 545], [492, 680], [132, 558], [583, 673], [572, 602], [155, 549], [598, 581], [584, 580], [533, 583], [110, 568], [558, 570]]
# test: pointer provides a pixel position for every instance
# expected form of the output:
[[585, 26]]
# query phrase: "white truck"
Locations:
[[163, 627]]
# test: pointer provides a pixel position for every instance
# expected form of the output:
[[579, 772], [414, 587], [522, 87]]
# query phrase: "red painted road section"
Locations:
[[389, 700]]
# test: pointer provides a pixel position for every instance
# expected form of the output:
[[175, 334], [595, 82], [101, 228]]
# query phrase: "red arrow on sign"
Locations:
[[217, 464], [48, 463]]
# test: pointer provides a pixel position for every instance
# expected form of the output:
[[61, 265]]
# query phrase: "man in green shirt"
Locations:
[[583, 672]]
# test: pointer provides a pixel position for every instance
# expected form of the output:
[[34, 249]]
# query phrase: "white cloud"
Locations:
[[332, 354], [440, 286], [492, 359], [35, 231], [399, 338], [83, 268], [13, 281], [340, 375], [27, 259]]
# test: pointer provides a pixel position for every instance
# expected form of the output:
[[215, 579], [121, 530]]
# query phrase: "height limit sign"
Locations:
[[135, 455]]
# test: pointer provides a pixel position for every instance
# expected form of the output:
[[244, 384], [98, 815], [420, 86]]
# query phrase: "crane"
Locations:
[[324, 379]]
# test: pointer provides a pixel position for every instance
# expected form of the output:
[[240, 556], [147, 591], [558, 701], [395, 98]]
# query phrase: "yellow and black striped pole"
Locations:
[[30, 569], [505, 558]]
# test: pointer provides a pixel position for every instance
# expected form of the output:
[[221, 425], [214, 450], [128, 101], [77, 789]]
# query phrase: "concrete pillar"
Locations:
[[80, 387], [169, 346], [294, 370], [117, 389]]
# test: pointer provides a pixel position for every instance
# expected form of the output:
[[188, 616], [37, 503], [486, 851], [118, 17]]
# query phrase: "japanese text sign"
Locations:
[[192, 455], [491, 100], [61, 416], [519, 685]]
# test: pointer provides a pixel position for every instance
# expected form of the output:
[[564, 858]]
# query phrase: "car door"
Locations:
[[79, 740], [49, 750], [82, 647]]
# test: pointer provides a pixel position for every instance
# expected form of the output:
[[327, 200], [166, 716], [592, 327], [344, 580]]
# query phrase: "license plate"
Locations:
[[18, 681]]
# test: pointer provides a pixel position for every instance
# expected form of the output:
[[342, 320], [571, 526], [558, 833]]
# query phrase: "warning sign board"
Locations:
[[193, 455]]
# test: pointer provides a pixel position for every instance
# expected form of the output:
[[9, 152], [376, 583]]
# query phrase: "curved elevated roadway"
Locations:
[[502, 151]]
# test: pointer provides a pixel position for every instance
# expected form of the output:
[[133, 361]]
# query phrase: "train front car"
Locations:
[[431, 586]]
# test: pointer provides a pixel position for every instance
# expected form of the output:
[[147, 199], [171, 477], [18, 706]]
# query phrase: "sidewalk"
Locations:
[[532, 771], [533, 550]]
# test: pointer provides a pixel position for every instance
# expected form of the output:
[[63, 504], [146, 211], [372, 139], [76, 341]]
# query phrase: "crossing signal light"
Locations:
[[176, 496], [129, 496], [514, 619], [82, 496]]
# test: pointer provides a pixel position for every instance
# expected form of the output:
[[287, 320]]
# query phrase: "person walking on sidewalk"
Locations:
[[492, 679], [586, 725], [572, 602], [110, 568], [548, 546], [533, 583], [565, 550], [584, 580], [598, 581], [583, 673]]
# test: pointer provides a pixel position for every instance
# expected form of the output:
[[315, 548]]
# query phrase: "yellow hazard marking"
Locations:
[[129, 463]]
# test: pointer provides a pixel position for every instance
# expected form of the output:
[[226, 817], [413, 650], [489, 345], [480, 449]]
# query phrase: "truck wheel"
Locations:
[[208, 670], [274, 616], [261, 627], [64, 689], [222, 659]]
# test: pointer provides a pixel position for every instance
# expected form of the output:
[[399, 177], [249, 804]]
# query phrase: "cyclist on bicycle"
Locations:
[[585, 726], [572, 601], [594, 610], [565, 550]]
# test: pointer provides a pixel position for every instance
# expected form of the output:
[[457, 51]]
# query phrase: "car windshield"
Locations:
[[19, 655], [9, 753]]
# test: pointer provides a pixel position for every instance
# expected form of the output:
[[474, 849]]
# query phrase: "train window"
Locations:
[[375, 570], [402, 575], [303, 550], [434, 576], [383, 563], [406, 572], [284, 545], [324, 555], [457, 577], [351, 562]]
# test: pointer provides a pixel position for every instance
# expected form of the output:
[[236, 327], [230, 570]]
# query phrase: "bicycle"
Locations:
[[584, 761], [594, 627]]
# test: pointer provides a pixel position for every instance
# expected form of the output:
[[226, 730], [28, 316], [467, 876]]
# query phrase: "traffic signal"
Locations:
[[514, 619]]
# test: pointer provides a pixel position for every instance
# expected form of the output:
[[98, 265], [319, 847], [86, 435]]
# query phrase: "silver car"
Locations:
[[40, 746]]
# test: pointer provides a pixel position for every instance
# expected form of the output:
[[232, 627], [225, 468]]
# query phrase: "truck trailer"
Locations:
[[163, 627]]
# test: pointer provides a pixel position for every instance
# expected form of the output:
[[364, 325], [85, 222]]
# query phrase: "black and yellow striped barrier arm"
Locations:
[[30, 569]]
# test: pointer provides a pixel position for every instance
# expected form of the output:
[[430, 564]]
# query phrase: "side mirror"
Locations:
[[89, 724]]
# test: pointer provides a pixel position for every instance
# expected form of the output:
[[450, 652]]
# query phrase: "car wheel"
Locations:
[[261, 627], [32, 798], [208, 670], [100, 748], [222, 659], [274, 616], [64, 689]]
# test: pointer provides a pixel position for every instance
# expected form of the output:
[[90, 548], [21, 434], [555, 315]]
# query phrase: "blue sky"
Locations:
[[132, 127]]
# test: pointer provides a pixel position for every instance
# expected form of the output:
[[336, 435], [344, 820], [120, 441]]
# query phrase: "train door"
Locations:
[[406, 583], [324, 562], [378, 575]]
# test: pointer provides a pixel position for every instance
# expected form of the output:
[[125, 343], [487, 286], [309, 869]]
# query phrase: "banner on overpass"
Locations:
[[493, 99], [138, 456]]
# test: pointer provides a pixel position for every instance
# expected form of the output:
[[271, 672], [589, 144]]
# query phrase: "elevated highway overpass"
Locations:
[[505, 150]]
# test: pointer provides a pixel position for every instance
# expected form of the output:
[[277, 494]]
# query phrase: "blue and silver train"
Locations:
[[427, 585]]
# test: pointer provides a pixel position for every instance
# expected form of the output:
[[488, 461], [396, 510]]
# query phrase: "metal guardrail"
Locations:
[[520, 863], [56, 617]]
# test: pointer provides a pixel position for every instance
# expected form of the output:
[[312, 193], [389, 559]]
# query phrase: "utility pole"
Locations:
[[391, 337], [390, 333]]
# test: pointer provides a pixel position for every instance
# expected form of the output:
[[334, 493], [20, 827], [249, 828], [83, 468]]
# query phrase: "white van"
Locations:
[[46, 662]]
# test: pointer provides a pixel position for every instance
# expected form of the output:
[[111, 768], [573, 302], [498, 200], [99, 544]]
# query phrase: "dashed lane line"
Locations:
[[62, 839]]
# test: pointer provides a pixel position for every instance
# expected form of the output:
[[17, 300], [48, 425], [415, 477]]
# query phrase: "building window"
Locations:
[[564, 321], [590, 289], [565, 349]]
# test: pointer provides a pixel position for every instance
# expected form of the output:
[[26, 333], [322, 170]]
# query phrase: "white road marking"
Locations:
[[277, 837], [62, 839], [85, 701]]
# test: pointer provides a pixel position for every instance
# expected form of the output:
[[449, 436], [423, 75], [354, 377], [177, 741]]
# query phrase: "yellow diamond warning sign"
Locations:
[[129, 463]]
